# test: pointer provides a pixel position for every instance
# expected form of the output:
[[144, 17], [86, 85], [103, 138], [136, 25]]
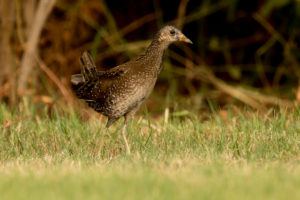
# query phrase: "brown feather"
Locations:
[[121, 90]]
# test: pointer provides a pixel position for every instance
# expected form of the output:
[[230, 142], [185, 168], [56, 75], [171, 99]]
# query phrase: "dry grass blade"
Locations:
[[288, 45], [267, 99], [133, 47], [6, 61], [43, 10], [65, 92], [269, 28], [8, 123], [181, 13], [228, 89], [112, 38], [29, 7], [251, 98], [20, 32], [137, 23], [205, 11]]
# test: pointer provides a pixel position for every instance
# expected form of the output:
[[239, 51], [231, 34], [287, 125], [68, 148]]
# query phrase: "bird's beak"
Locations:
[[183, 38]]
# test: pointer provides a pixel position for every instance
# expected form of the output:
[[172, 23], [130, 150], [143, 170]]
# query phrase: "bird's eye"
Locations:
[[172, 32]]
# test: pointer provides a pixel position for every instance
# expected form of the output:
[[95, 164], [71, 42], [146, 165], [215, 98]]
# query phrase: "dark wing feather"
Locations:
[[114, 72], [96, 89], [88, 67], [92, 85]]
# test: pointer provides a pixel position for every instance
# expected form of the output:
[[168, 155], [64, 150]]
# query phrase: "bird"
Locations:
[[120, 91]]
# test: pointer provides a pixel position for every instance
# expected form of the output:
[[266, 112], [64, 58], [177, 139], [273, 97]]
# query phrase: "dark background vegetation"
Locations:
[[244, 52]]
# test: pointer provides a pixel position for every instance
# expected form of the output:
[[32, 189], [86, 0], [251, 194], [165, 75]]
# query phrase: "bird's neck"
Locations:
[[154, 54], [157, 46]]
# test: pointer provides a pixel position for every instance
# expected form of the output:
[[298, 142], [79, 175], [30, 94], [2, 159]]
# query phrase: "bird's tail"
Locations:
[[88, 67], [88, 70]]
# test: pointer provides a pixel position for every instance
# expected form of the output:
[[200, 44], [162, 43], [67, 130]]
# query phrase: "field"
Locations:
[[233, 155]]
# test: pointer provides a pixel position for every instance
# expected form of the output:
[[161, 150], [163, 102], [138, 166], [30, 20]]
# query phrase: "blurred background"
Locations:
[[244, 52]]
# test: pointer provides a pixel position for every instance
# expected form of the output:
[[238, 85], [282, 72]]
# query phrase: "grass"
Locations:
[[244, 155]]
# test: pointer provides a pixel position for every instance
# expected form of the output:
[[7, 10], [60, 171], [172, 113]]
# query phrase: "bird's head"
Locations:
[[170, 34]]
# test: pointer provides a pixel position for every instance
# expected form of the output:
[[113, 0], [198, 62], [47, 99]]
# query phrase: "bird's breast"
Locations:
[[131, 92]]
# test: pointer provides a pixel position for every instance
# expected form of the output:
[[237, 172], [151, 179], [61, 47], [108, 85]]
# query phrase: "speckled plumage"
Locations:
[[121, 90]]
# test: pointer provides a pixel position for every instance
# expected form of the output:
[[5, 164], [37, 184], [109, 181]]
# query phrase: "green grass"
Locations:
[[244, 156]]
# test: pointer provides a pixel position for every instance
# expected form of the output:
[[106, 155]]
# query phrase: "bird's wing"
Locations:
[[98, 88], [115, 72]]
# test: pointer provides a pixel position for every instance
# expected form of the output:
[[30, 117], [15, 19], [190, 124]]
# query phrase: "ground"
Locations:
[[244, 155]]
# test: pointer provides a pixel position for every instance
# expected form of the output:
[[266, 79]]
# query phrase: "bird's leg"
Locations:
[[124, 138], [105, 133], [128, 116]]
